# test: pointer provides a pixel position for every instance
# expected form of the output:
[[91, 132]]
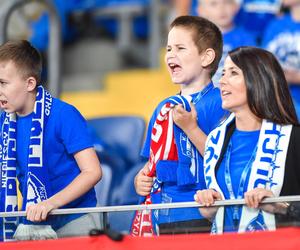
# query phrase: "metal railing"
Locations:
[[153, 206], [54, 49]]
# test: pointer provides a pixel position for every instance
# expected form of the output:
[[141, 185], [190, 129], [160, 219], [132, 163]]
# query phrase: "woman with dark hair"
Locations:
[[253, 153]]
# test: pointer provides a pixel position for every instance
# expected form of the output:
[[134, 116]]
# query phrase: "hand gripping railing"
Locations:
[[152, 206], [54, 50]]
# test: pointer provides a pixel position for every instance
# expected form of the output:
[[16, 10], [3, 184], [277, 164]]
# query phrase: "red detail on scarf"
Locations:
[[162, 147]]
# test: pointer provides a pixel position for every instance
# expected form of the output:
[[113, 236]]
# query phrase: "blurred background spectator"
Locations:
[[282, 37], [222, 13]]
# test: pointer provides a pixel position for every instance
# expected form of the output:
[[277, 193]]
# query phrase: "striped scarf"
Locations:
[[267, 171], [168, 143], [36, 187]]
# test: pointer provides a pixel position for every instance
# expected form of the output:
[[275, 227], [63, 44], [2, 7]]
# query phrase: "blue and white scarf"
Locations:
[[188, 155], [267, 171], [37, 186]]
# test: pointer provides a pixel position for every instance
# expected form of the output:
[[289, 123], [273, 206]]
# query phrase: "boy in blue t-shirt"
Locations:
[[222, 13], [282, 38], [194, 49], [46, 146]]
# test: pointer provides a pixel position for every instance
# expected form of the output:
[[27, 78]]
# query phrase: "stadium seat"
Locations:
[[125, 193], [103, 187], [118, 141], [124, 134]]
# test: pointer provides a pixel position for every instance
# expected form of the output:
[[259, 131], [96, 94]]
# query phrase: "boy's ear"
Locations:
[[208, 56], [31, 83]]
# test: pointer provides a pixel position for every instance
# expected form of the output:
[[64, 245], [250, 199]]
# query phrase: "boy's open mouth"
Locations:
[[174, 67]]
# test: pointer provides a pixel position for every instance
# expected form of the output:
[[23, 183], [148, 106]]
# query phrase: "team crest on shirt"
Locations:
[[185, 145], [36, 190]]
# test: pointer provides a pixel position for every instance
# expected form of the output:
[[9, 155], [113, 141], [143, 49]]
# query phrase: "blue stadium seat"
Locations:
[[124, 194], [124, 134], [103, 187], [118, 141]]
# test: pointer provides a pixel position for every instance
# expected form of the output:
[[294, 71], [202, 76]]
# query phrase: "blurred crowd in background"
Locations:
[[271, 24]]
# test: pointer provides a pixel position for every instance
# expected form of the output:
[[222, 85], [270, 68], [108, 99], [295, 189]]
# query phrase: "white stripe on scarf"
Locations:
[[37, 180], [267, 170]]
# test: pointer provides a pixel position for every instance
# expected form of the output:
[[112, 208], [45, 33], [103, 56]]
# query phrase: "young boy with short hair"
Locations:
[[46, 146], [174, 170]]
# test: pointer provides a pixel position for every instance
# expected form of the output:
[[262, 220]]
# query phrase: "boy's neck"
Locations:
[[194, 87], [28, 106], [295, 12]]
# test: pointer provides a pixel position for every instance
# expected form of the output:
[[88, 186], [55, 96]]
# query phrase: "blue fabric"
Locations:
[[184, 148], [37, 171], [65, 134], [37, 186], [8, 191], [255, 15], [39, 37], [210, 114], [232, 39], [243, 144], [282, 38]]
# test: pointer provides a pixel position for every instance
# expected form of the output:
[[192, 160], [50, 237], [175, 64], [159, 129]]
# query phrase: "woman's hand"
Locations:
[[255, 196], [142, 182], [207, 197], [39, 212]]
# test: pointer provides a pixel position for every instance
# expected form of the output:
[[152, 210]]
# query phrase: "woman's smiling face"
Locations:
[[233, 87]]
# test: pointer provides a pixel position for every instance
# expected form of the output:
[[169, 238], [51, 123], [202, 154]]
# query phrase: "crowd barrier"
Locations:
[[282, 238]]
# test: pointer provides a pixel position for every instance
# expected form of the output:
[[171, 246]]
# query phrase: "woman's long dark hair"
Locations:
[[267, 89]]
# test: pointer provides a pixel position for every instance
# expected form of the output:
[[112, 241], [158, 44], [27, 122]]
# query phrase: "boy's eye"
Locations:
[[168, 49], [181, 48]]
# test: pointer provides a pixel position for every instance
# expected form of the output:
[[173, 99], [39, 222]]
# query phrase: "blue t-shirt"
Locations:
[[255, 15], [209, 113], [282, 38], [64, 135], [241, 149], [232, 39]]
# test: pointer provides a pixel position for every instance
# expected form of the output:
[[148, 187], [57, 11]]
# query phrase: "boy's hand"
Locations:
[[187, 121], [38, 212], [142, 182]]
